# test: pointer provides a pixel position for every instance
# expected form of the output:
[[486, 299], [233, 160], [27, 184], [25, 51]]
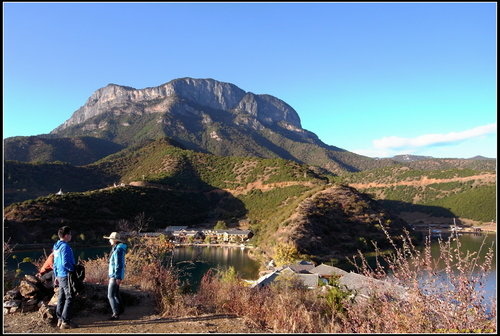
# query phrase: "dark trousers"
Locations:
[[114, 297], [48, 279], [65, 300]]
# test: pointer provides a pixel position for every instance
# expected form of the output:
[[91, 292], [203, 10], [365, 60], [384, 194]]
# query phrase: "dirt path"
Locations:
[[131, 324], [237, 191], [426, 181], [265, 187], [138, 318]]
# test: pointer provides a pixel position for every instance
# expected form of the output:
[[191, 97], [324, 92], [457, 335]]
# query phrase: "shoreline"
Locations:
[[48, 247], [213, 245], [30, 247], [465, 231]]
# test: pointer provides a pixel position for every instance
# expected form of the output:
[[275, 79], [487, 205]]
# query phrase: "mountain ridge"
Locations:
[[208, 116], [204, 115], [226, 96]]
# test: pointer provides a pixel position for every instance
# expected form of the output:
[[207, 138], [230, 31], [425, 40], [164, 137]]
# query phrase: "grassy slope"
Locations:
[[473, 199], [192, 181], [75, 150], [194, 191]]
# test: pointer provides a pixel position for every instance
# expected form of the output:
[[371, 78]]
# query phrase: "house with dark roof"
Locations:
[[266, 279], [307, 279], [311, 275], [327, 271], [302, 266]]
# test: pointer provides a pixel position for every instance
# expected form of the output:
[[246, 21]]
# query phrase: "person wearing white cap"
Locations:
[[116, 273]]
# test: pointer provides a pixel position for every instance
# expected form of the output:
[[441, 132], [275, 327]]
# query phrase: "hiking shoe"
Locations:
[[68, 325], [114, 317]]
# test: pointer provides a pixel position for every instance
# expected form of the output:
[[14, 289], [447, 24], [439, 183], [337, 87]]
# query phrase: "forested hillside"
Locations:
[[465, 193]]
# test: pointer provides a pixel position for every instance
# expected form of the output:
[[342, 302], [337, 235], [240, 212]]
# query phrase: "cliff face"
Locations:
[[215, 95]]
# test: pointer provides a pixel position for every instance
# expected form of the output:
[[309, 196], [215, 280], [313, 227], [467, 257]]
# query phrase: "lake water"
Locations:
[[468, 242], [194, 261], [472, 242]]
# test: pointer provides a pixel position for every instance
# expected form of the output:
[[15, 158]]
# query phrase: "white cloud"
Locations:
[[422, 145], [373, 152], [426, 140]]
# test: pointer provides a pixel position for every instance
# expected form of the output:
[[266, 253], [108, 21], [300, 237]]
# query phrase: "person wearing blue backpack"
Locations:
[[64, 264], [116, 273]]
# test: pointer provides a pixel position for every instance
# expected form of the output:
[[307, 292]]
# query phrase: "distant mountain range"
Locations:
[[199, 114], [413, 158], [410, 158]]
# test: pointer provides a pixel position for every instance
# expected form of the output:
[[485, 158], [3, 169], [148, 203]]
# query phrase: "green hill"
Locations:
[[162, 163], [80, 150], [95, 213], [477, 203], [175, 186], [463, 193], [23, 181]]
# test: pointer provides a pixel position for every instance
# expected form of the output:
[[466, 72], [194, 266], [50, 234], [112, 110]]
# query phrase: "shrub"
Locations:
[[220, 225], [96, 270], [285, 253], [337, 296]]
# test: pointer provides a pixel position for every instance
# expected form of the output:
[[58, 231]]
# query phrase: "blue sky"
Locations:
[[378, 79]]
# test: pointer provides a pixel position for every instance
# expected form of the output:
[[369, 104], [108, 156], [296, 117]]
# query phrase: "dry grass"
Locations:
[[443, 295], [278, 308], [146, 261], [96, 270]]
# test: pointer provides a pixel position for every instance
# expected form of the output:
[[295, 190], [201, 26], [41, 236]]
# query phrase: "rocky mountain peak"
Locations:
[[209, 93]]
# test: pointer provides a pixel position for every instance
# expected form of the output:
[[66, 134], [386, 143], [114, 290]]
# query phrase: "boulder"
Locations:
[[12, 294], [12, 303], [47, 313], [32, 279], [27, 288], [53, 300]]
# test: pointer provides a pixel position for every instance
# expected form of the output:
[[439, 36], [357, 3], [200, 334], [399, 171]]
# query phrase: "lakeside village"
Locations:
[[181, 235], [304, 272]]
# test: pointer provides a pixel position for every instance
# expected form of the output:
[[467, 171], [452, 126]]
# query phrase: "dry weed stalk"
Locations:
[[445, 294]]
